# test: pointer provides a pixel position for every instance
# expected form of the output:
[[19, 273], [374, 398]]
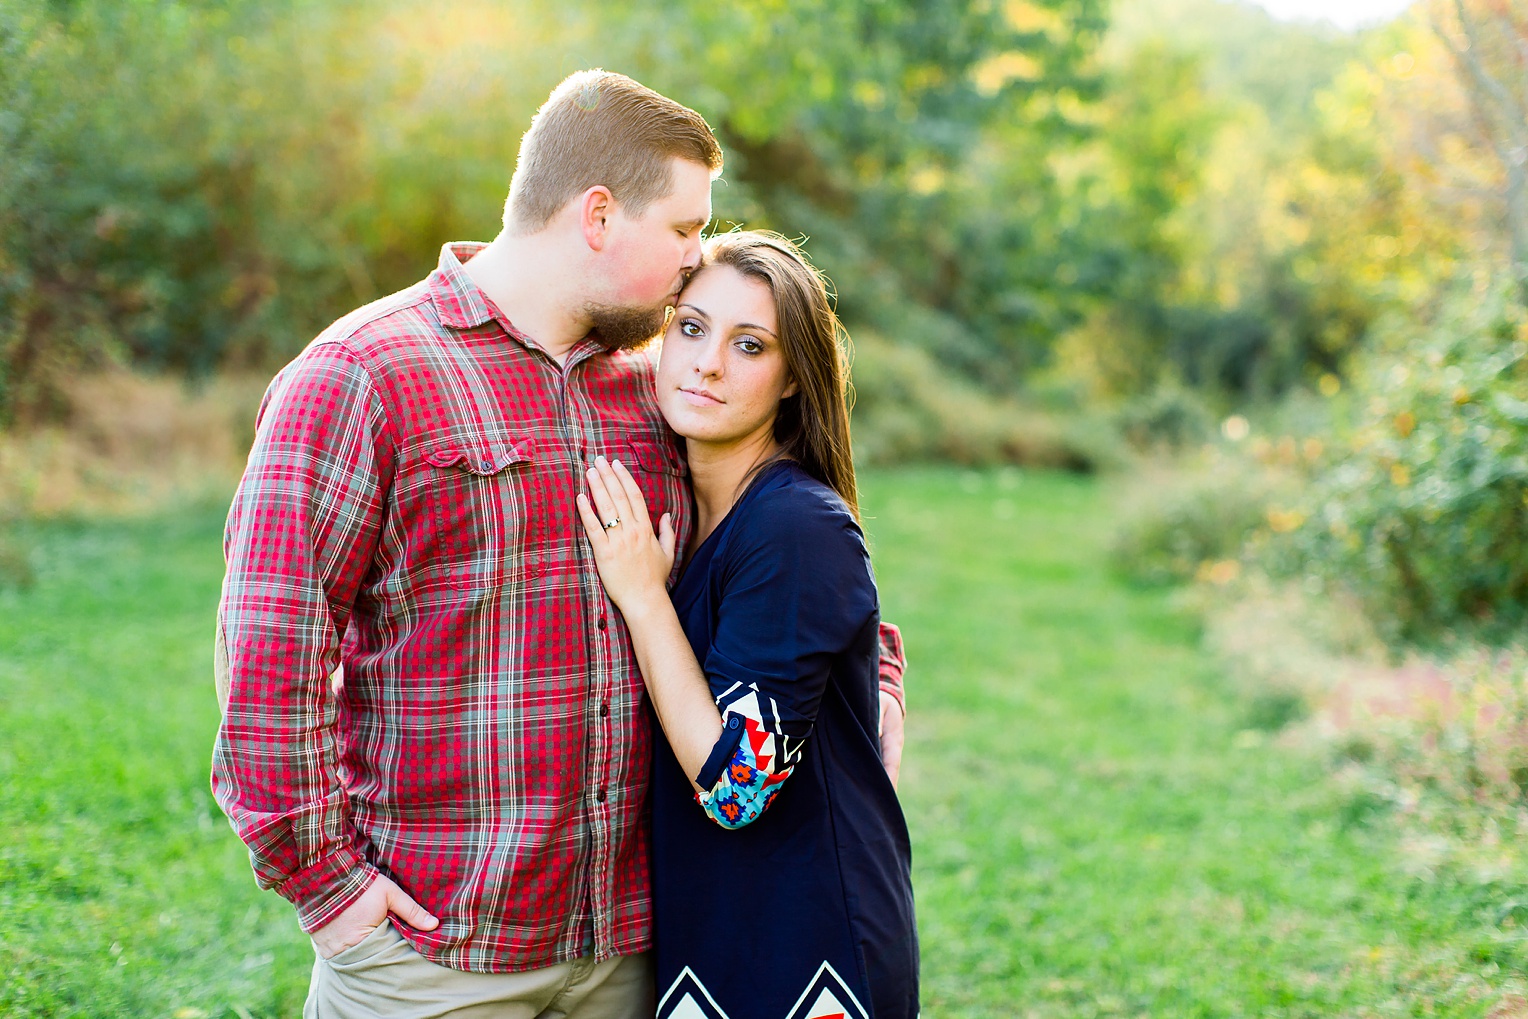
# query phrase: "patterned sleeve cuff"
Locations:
[[721, 754], [893, 664], [751, 777]]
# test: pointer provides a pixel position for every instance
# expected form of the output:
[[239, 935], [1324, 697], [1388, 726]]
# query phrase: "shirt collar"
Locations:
[[460, 303]]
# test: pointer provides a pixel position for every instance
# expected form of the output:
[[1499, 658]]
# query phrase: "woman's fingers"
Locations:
[[592, 525], [599, 492], [617, 492], [634, 498], [666, 537]]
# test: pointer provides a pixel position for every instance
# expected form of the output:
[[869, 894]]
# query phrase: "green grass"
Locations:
[[123, 892], [1101, 827]]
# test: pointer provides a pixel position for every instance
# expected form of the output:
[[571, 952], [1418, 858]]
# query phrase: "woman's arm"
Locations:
[[634, 563], [798, 592]]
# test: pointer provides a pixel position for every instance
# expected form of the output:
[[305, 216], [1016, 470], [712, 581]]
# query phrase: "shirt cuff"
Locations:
[[327, 888], [893, 664]]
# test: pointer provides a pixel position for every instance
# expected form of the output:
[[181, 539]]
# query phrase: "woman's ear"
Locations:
[[791, 389]]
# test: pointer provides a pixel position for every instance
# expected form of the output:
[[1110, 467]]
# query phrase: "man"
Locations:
[[478, 772]]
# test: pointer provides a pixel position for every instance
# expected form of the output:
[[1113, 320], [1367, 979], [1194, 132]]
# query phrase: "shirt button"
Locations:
[[600, 796], [602, 624], [487, 465], [604, 711]]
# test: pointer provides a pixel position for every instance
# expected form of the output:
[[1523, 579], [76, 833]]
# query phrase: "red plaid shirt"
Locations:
[[408, 510]]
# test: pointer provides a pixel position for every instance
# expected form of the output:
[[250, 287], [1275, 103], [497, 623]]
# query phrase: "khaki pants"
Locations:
[[384, 976]]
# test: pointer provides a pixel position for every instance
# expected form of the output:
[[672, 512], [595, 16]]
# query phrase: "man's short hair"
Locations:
[[602, 128]]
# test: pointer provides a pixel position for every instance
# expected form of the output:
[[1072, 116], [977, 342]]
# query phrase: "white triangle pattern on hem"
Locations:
[[826, 997]]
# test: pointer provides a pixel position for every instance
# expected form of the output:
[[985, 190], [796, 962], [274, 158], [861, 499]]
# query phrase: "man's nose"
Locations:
[[692, 254]]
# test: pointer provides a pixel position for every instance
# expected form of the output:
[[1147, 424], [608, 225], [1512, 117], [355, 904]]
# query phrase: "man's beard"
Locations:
[[617, 328]]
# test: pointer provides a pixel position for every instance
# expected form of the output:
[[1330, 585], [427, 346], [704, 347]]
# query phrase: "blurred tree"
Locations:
[[1488, 40], [192, 185], [915, 142]]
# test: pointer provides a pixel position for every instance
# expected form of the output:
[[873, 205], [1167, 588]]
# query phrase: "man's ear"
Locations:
[[594, 209]]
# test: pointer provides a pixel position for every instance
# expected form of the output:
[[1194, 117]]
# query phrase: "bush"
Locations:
[[1170, 417], [1422, 511], [1181, 525], [907, 408], [125, 442]]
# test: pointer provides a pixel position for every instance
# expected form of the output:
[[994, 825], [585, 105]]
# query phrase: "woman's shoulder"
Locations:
[[787, 503]]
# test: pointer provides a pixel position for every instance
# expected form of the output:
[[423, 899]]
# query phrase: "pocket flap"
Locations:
[[489, 458], [655, 456]]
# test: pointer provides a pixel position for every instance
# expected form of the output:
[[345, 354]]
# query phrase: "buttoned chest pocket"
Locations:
[[479, 502]]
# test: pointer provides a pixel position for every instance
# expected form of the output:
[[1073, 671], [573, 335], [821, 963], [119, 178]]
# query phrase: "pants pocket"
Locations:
[[367, 948]]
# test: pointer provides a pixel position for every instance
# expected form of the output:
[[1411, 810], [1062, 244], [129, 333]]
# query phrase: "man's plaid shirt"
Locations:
[[408, 510]]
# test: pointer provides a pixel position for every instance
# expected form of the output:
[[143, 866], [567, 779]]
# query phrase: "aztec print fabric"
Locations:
[[753, 757], [408, 511], [802, 910]]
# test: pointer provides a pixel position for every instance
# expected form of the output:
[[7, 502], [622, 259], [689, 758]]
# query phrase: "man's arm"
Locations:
[[300, 537], [893, 699]]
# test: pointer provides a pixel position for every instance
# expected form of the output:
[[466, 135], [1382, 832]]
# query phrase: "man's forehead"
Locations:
[[691, 197]]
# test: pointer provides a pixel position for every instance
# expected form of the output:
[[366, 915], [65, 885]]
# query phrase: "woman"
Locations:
[[781, 873]]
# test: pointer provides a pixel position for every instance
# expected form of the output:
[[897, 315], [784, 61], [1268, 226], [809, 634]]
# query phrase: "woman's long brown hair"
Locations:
[[812, 426]]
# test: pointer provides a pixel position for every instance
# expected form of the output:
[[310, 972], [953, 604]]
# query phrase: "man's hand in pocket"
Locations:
[[366, 914]]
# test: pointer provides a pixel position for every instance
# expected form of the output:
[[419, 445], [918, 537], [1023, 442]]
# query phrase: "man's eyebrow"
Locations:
[[694, 224]]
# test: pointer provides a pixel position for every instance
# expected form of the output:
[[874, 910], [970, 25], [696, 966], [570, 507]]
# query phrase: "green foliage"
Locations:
[[1424, 507], [908, 408], [1174, 532], [917, 141], [1169, 418], [192, 186], [1461, 766]]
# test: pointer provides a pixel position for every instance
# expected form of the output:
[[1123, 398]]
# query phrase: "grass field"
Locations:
[[1100, 829]]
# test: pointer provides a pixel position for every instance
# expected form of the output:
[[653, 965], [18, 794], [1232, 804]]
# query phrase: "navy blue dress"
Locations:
[[784, 891]]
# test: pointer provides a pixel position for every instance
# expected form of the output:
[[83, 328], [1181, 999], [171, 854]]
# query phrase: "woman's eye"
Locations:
[[690, 327], [750, 345]]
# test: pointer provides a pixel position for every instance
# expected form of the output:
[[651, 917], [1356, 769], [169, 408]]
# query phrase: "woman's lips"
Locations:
[[699, 398]]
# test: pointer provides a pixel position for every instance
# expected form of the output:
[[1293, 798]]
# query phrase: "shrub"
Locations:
[[1422, 510], [908, 408], [1170, 417], [1180, 525]]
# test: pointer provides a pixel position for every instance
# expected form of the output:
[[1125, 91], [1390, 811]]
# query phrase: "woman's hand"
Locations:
[[634, 562]]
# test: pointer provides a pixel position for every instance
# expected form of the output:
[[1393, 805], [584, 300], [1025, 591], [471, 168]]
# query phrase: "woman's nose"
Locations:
[[708, 359]]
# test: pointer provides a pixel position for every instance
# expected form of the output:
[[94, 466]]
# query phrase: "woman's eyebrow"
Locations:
[[702, 314], [754, 327]]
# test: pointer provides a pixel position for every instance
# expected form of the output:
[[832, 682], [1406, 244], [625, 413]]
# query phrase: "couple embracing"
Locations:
[[553, 679]]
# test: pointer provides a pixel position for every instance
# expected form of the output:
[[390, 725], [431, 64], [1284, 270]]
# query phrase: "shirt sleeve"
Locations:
[[797, 594], [893, 663], [300, 538]]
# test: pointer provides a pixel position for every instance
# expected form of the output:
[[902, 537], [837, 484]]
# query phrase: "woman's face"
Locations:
[[722, 373]]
